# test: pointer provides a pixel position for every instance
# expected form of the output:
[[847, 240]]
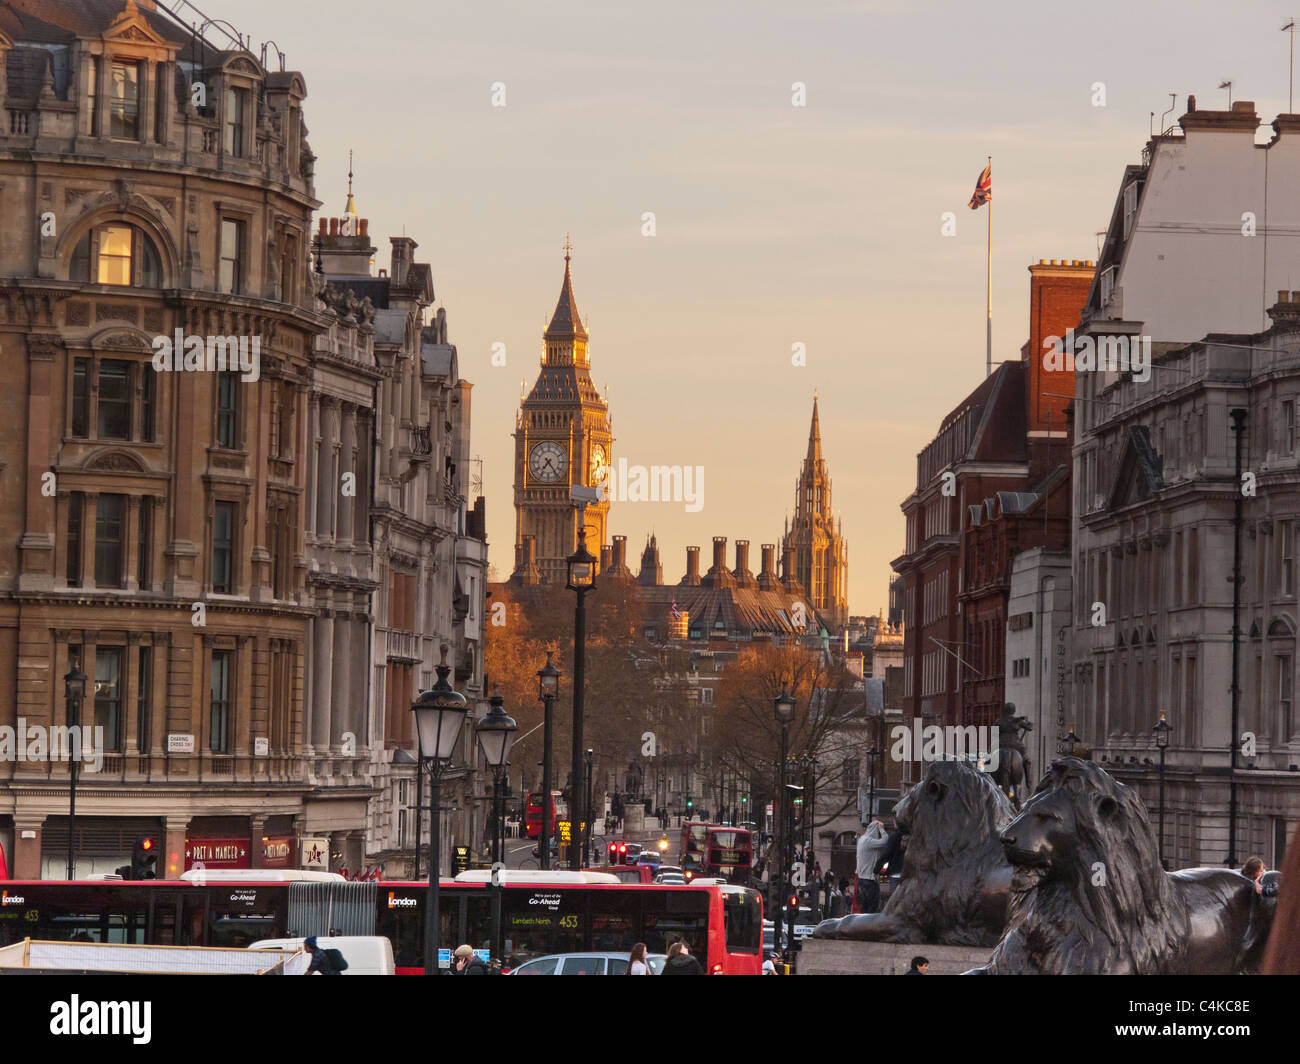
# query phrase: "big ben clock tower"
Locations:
[[562, 438]]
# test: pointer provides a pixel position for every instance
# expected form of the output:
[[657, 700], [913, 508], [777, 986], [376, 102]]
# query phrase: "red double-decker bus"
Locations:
[[533, 812], [541, 913], [729, 854], [695, 833]]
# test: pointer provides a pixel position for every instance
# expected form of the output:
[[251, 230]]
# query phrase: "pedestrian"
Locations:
[[920, 966], [870, 843], [890, 861], [836, 904], [323, 961], [680, 961], [636, 962], [1254, 870], [467, 963]]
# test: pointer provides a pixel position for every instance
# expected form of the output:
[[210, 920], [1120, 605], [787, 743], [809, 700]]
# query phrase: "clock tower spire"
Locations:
[[562, 439]]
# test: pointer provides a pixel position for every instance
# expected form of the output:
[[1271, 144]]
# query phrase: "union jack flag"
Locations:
[[983, 189], [677, 614]]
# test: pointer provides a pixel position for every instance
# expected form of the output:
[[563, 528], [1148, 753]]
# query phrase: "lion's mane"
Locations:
[[1106, 905]]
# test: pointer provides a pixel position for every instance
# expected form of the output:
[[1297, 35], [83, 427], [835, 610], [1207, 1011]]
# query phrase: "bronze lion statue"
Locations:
[[956, 881], [1089, 895]]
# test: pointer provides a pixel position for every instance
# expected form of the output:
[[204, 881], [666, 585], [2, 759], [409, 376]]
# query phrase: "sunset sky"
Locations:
[[776, 224]]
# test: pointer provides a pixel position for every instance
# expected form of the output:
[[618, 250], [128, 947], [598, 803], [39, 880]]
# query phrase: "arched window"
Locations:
[[117, 254]]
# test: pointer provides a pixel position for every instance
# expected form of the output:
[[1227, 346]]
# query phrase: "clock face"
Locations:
[[548, 462], [598, 462]]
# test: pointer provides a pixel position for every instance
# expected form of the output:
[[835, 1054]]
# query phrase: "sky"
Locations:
[[774, 224]]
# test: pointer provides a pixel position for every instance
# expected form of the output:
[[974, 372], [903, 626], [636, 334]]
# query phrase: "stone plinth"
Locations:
[[633, 820], [830, 956]]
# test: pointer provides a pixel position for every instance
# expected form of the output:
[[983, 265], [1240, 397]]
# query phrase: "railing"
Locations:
[[422, 439], [403, 645], [209, 140], [20, 123]]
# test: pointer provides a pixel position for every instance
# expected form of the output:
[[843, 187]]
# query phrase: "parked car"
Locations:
[[585, 964], [671, 879]]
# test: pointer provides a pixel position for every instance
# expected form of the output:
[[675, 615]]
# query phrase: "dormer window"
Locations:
[[116, 254], [236, 131], [124, 101]]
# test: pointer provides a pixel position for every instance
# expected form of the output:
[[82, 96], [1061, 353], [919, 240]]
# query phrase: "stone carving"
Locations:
[[1013, 763], [956, 881], [1089, 896]]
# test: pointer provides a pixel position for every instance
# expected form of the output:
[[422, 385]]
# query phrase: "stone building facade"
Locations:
[[814, 539], [163, 551], [1155, 521], [254, 565]]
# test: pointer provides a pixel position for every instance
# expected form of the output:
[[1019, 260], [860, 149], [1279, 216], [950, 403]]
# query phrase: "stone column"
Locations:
[[324, 468], [27, 852], [347, 464], [89, 513], [173, 862], [131, 692], [311, 453], [341, 712], [322, 678], [131, 563], [256, 829]]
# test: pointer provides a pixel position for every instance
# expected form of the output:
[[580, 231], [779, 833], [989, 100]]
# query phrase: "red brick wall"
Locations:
[[1057, 291]]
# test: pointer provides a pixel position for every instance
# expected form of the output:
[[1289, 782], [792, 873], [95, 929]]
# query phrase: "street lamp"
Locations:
[[74, 690], [581, 567], [548, 686], [439, 717], [1070, 740], [1161, 731], [585, 837], [872, 754], [784, 709], [496, 734]]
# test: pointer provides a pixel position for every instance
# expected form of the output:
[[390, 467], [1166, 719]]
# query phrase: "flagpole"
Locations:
[[988, 293]]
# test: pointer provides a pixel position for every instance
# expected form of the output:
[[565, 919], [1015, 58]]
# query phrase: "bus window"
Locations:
[[742, 916], [400, 919], [539, 921], [478, 923], [615, 920], [672, 914], [239, 916]]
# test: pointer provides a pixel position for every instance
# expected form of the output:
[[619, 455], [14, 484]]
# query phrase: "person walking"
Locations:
[[324, 961], [870, 843], [636, 962], [680, 961], [467, 963]]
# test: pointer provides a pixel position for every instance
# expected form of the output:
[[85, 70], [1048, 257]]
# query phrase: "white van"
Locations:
[[365, 954]]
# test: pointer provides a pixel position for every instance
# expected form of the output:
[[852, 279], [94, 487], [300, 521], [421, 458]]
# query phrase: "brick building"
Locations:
[[984, 484]]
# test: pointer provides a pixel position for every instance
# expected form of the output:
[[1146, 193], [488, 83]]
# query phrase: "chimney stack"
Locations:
[[692, 577], [767, 578], [744, 578], [788, 579], [719, 575]]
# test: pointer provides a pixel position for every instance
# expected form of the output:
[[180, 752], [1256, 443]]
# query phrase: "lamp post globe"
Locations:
[[440, 716], [496, 733]]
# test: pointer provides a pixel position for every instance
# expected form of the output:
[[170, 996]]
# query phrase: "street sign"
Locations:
[[564, 832], [459, 860]]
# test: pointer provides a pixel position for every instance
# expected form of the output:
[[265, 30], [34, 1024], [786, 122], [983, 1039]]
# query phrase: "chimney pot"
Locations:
[[365, 227], [334, 227], [324, 226]]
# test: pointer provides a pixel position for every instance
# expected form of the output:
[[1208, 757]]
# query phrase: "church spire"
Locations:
[[566, 323], [815, 437], [350, 211]]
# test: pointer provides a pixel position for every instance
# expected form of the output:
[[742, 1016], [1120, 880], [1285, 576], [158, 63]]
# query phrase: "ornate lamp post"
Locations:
[[439, 717], [496, 734], [74, 690], [1161, 731], [872, 754], [784, 709], [548, 686], [1070, 740], [581, 566]]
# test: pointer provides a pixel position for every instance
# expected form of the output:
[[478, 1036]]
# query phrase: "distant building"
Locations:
[[815, 537], [999, 459]]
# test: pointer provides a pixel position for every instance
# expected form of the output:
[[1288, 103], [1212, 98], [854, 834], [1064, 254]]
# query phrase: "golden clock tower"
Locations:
[[562, 438]]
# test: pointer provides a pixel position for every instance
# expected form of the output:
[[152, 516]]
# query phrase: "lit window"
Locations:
[[116, 254]]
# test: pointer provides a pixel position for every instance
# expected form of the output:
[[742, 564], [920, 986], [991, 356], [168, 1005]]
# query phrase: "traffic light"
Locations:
[[613, 853], [690, 803], [622, 853], [144, 862]]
